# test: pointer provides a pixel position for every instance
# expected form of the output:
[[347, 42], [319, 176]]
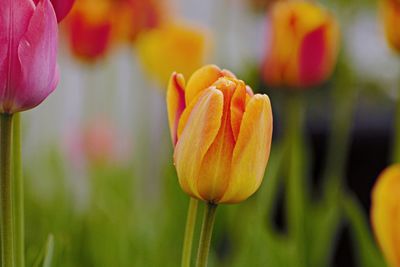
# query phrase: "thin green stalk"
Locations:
[[7, 222], [206, 234], [396, 150], [18, 192], [296, 186], [189, 231]]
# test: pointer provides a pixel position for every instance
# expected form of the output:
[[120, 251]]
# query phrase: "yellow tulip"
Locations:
[[390, 10], [222, 135], [385, 214], [172, 47], [304, 44]]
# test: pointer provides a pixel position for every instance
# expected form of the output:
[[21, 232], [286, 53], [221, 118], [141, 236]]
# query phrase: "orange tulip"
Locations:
[[135, 16], [390, 10], [385, 213], [304, 40], [172, 47], [222, 134], [89, 29]]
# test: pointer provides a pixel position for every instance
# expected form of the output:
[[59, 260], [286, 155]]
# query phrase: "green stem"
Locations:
[[7, 245], [396, 150], [206, 233], [295, 183], [18, 192], [189, 230]]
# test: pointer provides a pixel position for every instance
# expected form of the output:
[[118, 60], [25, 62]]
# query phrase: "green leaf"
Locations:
[[45, 256]]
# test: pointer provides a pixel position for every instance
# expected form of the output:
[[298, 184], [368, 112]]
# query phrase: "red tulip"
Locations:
[[28, 53], [90, 29], [304, 40]]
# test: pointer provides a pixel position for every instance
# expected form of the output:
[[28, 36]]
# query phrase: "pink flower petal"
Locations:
[[61, 7], [37, 54], [14, 20]]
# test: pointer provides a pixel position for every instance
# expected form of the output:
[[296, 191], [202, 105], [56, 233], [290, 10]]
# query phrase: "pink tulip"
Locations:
[[61, 7], [28, 53]]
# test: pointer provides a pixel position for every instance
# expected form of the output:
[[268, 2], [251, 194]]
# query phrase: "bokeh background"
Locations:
[[98, 156]]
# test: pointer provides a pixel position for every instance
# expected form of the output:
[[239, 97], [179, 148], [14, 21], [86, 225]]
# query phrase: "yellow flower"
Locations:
[[171, 48], [222, 135], [385, 213], [304, 44], [390, 10]]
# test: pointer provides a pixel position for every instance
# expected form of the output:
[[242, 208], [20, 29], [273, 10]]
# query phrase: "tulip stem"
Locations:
[[396, 151], [18, 192], [206, 234], [7, 222], [189, 231]]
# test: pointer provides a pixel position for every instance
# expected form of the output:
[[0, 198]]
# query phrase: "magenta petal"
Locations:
[[312, 55], [14, 20], [61, 7], [37, 53]]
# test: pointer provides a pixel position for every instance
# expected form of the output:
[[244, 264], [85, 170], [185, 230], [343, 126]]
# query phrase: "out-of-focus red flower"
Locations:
[[135, 16], [390, 10], [89, 29], [304, 42]]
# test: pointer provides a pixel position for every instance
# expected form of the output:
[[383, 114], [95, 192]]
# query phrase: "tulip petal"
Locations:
[[251, 152], [201, 80], [199, 133], [14, 20], [61, 7], [175, 103], [37, 54], [216, 165], [312, 54], [237, 108], [385, 213]]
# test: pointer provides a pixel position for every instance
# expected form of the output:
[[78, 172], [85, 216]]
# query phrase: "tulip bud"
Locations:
[[390, 10], [304, 41], [89, 29], [28, 52], [172, 48], [385, 214], [222, 135]]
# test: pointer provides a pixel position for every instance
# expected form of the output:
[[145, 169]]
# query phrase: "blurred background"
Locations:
[[98, 156]]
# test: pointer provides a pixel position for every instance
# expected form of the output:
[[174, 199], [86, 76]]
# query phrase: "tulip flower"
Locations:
[[28, 53], [390, 10], [304, 42], [89, 29], [171, 48], [135, 16], [61, 7], [385, 213], [222, 134]]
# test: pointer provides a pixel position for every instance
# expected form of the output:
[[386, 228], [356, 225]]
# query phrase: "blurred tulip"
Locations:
[[304, 40], [89, 29], [390, 10], [28, 54], [385, 213], [172, 48], [99, 143], [135, 16], [222, 134]]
